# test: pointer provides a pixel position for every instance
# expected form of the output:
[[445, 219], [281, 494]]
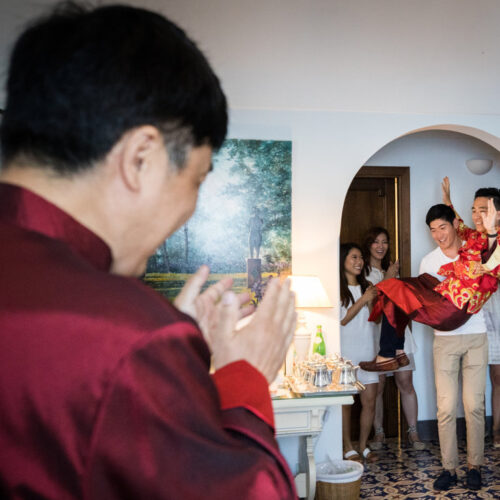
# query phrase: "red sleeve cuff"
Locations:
[[239, 384]]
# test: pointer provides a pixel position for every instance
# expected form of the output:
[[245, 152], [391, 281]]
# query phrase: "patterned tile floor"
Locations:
[[402, 472]]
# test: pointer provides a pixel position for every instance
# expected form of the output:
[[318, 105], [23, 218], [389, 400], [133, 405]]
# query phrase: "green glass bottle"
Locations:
[[319, 342]]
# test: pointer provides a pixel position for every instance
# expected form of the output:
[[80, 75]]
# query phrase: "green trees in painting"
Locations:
[[262, 173], [247, 174]]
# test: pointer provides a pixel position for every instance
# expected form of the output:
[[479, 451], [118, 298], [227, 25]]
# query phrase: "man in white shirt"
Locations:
[[465, 348]]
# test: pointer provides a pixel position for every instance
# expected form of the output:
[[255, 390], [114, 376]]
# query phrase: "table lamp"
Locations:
[[309, 293]]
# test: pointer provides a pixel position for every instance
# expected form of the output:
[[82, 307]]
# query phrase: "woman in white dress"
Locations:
[[378, 266], [357, 342]]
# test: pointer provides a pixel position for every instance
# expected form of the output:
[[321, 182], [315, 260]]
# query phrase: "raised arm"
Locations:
[[463, 230], [445, 188], [190, 434], [166, 429]]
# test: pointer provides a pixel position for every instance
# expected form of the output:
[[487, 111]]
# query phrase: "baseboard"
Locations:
[[427, 429]]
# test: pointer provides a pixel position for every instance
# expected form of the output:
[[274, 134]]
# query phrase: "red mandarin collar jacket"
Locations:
[[104, 386], [465, 284]]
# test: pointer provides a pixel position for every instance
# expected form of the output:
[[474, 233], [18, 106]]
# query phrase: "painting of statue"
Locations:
[[242, 223]]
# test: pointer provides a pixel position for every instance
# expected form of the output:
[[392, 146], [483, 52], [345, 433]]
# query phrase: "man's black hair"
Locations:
[[80, 78], [489, 192], [440, 211]]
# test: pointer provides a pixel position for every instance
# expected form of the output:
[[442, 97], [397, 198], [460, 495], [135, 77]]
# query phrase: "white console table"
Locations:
[[303, 417]]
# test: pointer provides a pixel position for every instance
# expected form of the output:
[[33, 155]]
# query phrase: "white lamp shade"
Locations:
[[309, 292], [479, 166]]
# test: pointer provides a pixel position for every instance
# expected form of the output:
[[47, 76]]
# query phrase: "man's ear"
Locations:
[[138, 150], [455, 223]]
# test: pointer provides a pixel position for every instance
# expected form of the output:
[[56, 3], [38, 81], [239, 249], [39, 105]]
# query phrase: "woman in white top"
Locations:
[[357, 342], [378, 267]]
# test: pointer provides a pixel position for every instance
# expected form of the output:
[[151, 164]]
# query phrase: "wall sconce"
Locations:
[[479, 166], [309, 293]]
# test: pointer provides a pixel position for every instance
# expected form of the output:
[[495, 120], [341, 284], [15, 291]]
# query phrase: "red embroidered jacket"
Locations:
[[466, 283]]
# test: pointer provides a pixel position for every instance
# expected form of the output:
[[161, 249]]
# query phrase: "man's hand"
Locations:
[[264, 341], [203, 306], [445, 187]]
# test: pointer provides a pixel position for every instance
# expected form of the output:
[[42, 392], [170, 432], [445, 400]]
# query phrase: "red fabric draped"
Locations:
[[404, 299]]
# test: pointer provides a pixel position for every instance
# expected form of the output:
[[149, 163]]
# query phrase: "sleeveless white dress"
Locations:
[[358, 339]]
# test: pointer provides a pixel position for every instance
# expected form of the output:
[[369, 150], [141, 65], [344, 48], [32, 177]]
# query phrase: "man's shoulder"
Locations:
[[433, 255], [45, 275]]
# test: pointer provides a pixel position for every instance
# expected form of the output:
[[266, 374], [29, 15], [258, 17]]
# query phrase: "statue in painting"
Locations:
[[255, 239]]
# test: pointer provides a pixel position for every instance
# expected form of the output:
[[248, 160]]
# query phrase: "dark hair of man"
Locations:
[[370, 236], [346, 297], [489, 192], [440, 211], [79, 79]]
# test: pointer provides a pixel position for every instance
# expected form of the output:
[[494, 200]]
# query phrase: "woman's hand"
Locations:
[[392, 270], [369, 295]]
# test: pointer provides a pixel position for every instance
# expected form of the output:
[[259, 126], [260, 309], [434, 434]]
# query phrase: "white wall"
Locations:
[[343, 55], [341, 79], [355, 55]]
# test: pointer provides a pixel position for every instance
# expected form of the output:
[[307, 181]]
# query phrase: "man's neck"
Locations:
[[452, 251]]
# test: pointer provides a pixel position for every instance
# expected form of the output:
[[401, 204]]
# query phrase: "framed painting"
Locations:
[[242, 224]]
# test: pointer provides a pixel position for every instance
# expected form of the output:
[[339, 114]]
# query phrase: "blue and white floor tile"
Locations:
[[402, 473]]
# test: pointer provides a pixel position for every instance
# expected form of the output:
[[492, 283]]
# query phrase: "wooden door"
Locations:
[[380, 196]]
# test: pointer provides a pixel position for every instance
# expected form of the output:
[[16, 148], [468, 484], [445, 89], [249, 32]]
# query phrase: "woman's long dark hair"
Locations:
[[370, 237], [346, 297]]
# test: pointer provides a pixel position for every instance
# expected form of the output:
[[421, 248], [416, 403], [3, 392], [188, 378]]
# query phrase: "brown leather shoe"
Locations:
[[402, 360], [383, 366]]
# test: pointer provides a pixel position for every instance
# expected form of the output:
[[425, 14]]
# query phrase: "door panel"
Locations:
[[368, 203], [379, 196]]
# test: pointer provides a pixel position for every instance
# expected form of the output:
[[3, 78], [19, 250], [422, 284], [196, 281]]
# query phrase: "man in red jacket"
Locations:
[[111, 118]]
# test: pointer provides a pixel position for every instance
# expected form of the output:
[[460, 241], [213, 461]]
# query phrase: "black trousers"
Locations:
[[389, 340]]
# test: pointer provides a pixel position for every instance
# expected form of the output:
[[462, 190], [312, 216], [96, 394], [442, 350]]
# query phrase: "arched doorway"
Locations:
[[442, 150]]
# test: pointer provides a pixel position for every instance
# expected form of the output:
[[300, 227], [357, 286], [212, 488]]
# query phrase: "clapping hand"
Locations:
[[263, 342], [392, 270], [203, 306]]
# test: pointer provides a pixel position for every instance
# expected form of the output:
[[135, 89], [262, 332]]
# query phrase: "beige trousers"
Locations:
[[470, 353]]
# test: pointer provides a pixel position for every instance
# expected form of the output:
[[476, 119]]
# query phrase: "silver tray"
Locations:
[[310, 391]]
